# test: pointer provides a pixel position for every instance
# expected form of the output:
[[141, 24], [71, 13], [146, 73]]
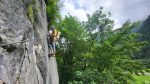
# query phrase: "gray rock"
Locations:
[[28, 63]]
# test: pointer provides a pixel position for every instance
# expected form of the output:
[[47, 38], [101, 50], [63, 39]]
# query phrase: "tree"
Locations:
[[91, 54], [72, 46], [99, 25], [111, 61], [52, 9]]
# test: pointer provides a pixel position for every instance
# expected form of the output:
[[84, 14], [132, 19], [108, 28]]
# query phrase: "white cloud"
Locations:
[[70, 8], [121, 10]]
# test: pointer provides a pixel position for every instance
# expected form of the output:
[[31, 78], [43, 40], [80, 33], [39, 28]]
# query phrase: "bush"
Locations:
[[30, 13]]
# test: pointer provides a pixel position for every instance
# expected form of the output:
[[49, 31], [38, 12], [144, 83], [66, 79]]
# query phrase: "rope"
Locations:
[[18, 42]]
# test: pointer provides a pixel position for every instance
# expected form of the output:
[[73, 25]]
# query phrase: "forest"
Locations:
[[92, 52]]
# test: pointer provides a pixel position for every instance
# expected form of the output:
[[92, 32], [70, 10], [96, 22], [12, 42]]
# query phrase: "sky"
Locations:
[[121, 10]]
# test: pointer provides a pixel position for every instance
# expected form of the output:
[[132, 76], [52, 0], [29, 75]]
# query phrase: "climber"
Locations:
[[53, 37]]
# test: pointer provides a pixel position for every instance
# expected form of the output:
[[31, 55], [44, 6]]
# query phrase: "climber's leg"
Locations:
[[50, 48], [53, 46]]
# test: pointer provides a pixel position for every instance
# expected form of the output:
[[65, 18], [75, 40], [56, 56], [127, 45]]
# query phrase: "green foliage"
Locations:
[[36, 8], [111, 61], [91, 52], [32, 10], [33, 1], [71, 46], [30, 13], [146, 62], [142, 79], [18, 78], [88, 60], [52, 9], [99, 25]]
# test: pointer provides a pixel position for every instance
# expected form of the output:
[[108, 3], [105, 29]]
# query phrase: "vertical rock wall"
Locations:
[[23, 25]]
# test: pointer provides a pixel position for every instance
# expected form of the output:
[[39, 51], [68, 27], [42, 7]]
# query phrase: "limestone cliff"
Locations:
[[23, 43]]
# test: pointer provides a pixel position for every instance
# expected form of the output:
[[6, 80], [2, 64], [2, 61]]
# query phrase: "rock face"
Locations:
[[23, 43]]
